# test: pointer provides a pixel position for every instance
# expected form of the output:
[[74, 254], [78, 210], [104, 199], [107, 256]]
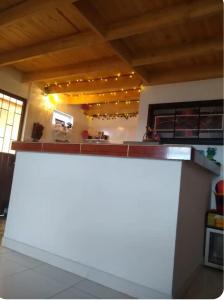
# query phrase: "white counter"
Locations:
[[132, 224]]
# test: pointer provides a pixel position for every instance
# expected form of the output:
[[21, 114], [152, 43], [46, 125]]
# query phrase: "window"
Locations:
[[199, 122], [62, 118], [11, 117]]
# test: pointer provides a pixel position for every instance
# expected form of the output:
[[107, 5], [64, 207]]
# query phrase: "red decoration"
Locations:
[[85, 106], [85, 134], [219, 187]]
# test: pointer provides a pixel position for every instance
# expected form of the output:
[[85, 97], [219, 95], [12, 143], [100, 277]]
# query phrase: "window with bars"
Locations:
[[11, 118]]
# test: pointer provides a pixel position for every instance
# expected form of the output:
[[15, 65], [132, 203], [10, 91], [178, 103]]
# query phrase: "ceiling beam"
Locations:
[[167, 16], [97, 86], [25, 8], [175, 53], [186, 74], [83, 39], [82, 69], [102, 97], [93, 19]]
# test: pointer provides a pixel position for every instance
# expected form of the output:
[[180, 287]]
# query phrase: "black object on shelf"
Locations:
[[37, 132]]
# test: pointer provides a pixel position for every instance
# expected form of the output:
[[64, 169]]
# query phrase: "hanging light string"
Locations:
[[111, 93], [112, 116], [91, 105], [81, 80]]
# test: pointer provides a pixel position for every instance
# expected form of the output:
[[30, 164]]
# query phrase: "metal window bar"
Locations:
[[7, 124]]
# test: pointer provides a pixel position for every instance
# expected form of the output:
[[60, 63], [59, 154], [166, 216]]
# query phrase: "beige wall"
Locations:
[[38, 112], [11, 81]]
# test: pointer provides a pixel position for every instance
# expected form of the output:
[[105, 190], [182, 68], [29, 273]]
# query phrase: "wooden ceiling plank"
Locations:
[[83, 39], [27, 8], [80, 69], [91, 16], [186, 74], [175, 53], [165, 17], [103, 97], [97, 86]]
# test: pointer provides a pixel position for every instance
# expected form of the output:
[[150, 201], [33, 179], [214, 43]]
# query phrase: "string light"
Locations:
[[106, 79], [108, 116], [127, 102]]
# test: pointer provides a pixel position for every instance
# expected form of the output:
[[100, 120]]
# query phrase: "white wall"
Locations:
[[119, 130], [176, 92], [210, 89]]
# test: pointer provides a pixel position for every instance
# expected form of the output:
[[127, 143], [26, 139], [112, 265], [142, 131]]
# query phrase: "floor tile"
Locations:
[[58, 275], [8, 267], [99, 290], [73, 293], [21, 259], [28, 285], [3, 250]]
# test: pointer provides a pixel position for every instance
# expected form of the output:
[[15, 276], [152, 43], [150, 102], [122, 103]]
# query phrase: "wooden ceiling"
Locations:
[[66, 44]]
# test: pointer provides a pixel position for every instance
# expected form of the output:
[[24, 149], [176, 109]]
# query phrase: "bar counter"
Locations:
[[130, 217], [169, 152]]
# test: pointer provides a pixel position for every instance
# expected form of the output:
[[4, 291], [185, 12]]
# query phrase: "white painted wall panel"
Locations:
[[113, 214]]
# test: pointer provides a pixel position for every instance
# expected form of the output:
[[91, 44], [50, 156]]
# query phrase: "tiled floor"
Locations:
[[22, 277], [27, 278]]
